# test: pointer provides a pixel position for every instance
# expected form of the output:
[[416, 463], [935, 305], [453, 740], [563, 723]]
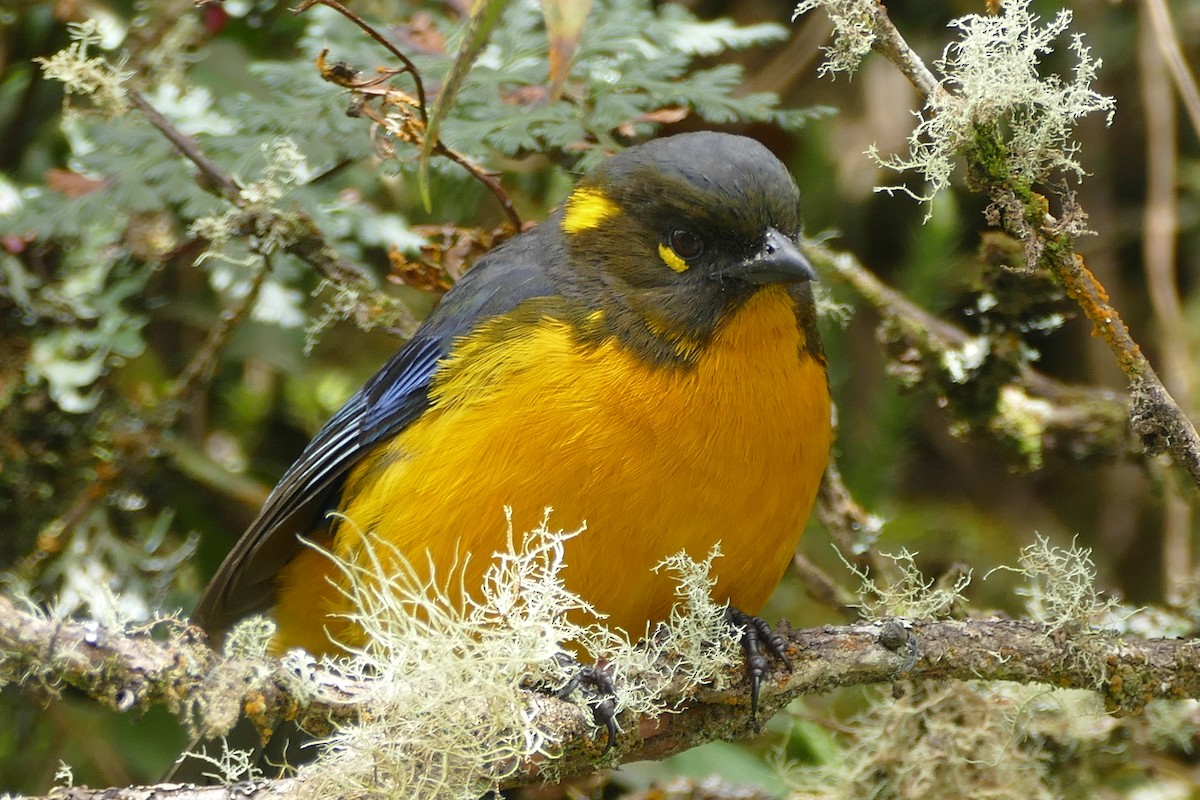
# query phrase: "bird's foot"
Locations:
[[599, 692], [759, 643]]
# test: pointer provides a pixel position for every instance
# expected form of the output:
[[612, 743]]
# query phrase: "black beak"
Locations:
[[778, 260]]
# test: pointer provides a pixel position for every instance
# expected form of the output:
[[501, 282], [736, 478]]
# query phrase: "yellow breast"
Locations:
[[655, 460]]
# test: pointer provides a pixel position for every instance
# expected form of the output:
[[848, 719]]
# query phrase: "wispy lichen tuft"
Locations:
[[64, 776], [87, 75], [250, 638], [696, 645], [448, 670], [285, 169], [998, 108], [361, 303], [853, 32], [1060, 585], [230, 765], [911, 595], [940, 740]]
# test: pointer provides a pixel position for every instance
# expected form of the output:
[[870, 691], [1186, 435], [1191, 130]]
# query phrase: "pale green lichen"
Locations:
[[939, 740], [447, 670], [853, 32], [1060, 585], [250, 638], [230, 765], [64, 776], [910, 595], [285, 169], [961, 362], [1022, 420], [995, 95], [361, 304], [86, 75], [696, 644]]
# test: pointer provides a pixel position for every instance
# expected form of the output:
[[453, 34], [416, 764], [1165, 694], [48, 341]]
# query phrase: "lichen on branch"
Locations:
[[997, 106]]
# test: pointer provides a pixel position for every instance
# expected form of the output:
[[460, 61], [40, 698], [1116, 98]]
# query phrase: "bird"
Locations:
[[646, 363]]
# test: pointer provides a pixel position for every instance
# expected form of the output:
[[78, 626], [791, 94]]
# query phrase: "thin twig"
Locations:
[[854, 531], [1160, 229], [484, 177], [214, 176], [1155, 416], [200, 368], [889, 43], [1167, 39], [409, 66], [824, 589], [852, 528], [1160, 220], [439, 148], [305, 240], [1083, 422]]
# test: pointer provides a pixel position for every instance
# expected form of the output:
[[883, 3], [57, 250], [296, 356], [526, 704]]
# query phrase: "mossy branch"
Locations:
[[169, 664], [290, 230], [302, 237], [1003, 399], [1049, 243]]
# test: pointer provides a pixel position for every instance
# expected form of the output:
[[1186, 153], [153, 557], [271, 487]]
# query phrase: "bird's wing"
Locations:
[[388, 403]]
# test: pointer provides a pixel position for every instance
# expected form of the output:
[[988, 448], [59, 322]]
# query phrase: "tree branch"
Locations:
[[213, 177], [169, 664], [1166, 36], [889, 43], [305, 240], [1019, 407], [1160, 240], [1049, 242]]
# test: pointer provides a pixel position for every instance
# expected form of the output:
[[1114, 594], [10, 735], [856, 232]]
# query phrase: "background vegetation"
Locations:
[[166, 353]]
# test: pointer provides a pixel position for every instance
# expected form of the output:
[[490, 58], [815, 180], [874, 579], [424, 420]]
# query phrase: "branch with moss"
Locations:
[[988, 389], [297, 232], [1013, 128], [269, 228], [169, 664], [996, 168]]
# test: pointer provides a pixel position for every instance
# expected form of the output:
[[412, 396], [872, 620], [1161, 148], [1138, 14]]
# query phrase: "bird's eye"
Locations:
[[685, 243]]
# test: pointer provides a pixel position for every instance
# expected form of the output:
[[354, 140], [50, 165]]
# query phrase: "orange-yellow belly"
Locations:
[[654, 460]]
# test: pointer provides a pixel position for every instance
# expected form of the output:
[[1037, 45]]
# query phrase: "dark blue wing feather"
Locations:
[[386, 405]]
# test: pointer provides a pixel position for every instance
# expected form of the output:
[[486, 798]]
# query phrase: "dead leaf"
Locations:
[[564, 26], [71, 184], [448, 253], [422, 34], [526, 96], [664, 116]]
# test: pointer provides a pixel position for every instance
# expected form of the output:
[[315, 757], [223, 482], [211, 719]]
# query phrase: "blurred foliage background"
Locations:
[[164, 355]]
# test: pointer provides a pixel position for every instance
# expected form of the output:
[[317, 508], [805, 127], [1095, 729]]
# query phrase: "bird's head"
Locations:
[[679, 232]]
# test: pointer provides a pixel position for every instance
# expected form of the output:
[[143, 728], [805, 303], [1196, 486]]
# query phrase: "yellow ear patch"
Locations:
[[586, 209], [671, 258]]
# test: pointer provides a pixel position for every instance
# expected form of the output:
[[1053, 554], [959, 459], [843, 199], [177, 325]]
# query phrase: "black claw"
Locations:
[[605, 713], [600, 693], [759, 640]]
